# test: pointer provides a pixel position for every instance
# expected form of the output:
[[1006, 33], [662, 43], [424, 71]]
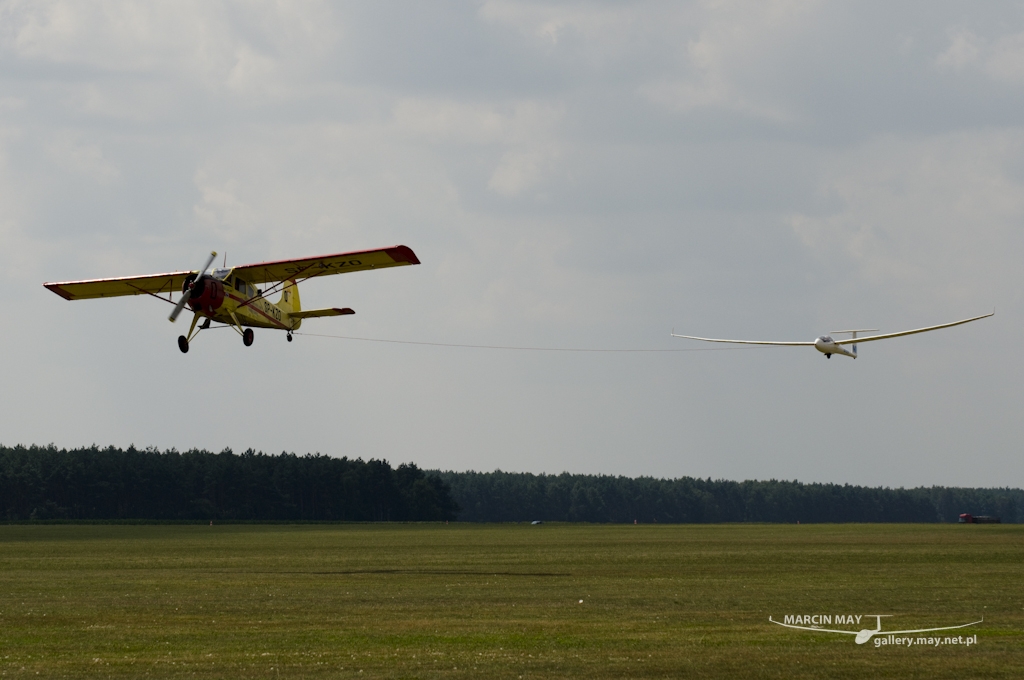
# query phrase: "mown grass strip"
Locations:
[[501, 600]]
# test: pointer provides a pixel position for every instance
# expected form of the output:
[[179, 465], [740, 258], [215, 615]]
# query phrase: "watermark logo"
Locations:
[[817, 623]]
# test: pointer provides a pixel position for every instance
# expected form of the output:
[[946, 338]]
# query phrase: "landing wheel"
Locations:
[[289, 337], [247, 337], [183, 344], [828, 356]]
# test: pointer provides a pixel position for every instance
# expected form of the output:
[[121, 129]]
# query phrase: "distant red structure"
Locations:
[[967, 518]]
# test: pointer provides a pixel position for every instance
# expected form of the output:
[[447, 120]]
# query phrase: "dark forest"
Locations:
[[111, 483], [46, 483], [514, 497]]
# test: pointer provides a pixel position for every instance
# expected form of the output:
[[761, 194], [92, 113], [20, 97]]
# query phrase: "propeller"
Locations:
[[188, 292]]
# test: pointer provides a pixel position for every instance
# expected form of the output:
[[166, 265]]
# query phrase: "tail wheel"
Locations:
[[183, 344], [247, 337], [289, 337]]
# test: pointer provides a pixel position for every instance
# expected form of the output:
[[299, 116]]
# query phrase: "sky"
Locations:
[[570, 174]]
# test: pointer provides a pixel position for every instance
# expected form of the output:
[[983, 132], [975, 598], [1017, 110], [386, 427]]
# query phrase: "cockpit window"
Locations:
[[244, 288], [221, 274]]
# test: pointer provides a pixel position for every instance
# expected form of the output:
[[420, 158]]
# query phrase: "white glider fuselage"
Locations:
[[827, 346]]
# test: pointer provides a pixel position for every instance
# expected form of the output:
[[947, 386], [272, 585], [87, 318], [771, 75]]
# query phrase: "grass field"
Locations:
[[411, 601]]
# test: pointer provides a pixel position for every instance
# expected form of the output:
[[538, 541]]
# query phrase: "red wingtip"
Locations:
[[402, 254], [58, 290]]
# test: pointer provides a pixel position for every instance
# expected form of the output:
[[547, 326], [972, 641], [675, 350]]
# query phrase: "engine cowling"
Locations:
[[207, 293]]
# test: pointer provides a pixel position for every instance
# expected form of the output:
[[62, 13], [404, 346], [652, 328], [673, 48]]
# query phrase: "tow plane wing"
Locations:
[[324, 265], [155, 284], [262, 272]]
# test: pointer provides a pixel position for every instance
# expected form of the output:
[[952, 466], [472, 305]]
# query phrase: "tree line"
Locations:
[[516, 497], [46, 483], [111, 483]]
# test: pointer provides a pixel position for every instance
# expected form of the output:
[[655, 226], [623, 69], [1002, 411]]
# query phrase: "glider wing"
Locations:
[[155, 284], [744, 342], [916, 330], [323, 265]]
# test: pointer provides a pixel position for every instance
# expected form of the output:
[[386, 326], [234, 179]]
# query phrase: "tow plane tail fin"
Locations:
[[289, 301]]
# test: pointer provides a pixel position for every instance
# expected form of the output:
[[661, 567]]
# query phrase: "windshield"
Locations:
[[221, 274]]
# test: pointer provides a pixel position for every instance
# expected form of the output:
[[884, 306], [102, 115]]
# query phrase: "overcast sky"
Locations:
[[570, 175]]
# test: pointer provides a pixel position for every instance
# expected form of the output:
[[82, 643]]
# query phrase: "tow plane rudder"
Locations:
[[289, 301]]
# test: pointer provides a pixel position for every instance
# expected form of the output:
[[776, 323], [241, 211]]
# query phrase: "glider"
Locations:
[[828, 346], [229, 296]]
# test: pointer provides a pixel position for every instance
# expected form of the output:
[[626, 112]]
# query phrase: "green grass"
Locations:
[[420, 601]]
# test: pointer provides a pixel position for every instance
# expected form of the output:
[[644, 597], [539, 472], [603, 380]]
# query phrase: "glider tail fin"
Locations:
[[853, 339]]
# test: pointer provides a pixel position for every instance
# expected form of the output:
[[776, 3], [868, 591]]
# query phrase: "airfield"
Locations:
[[503, 601]]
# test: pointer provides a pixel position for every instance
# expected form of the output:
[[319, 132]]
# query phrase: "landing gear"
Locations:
[[247, 337], [289, 336], [828, 356], [183, 344]]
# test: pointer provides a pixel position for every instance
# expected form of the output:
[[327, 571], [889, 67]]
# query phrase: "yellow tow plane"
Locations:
[[229, 296]]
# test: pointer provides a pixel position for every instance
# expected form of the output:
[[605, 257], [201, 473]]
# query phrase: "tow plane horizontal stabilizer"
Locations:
[[329, 311]]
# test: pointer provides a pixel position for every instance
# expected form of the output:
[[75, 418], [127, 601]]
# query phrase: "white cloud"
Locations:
[[196, 39], [1001, 59], [461, 122], [550, 22], [1006, 59], [930, 217], [221, 210], [686, 56], [526, 132], [708, 92], [86, 159], [964, 49], [519, 170], [717, 66]]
